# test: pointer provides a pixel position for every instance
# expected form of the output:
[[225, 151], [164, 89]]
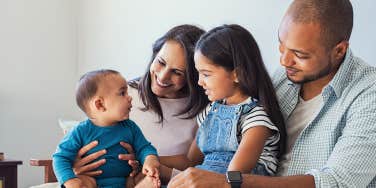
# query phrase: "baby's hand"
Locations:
[[151, 166]]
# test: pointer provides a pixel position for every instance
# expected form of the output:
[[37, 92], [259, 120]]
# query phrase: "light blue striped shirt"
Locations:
[[338, 147]]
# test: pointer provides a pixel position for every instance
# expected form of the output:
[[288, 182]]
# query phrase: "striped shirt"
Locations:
[[338, 146], [255, 117]]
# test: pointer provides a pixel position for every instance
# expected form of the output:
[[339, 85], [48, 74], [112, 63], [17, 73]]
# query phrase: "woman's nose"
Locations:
[[163, 75]]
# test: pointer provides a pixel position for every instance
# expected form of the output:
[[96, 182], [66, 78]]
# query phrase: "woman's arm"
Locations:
[[250, 148]]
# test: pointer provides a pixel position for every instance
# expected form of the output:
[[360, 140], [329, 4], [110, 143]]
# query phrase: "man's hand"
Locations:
[[197, 178]]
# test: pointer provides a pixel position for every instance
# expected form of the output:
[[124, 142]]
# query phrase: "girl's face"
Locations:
[[217, 82], [168, 71]]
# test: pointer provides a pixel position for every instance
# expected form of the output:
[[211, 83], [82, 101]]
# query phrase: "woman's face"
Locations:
[[168, 71]]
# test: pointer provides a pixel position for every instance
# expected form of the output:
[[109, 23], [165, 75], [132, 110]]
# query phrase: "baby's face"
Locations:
[[117, 102]]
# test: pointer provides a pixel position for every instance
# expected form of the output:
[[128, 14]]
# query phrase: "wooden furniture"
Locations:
[[49, 175], [8, 172]]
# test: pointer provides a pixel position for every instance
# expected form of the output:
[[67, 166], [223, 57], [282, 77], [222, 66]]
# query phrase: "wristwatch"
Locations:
[[234, 178]]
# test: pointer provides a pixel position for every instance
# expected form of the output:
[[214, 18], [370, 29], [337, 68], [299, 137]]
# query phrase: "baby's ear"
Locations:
[[98, 103]]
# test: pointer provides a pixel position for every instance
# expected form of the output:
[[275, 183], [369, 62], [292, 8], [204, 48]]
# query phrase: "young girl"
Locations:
[[242, 129]]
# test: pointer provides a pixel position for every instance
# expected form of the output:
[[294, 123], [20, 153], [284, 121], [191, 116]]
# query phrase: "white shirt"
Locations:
[[171, 137], [301, 116]]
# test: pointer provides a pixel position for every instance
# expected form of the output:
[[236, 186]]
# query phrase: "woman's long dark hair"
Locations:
[[187, 36], [234, 48]]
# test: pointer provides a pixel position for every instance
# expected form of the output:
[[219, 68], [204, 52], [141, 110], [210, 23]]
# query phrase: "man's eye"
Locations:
[[302, 57]]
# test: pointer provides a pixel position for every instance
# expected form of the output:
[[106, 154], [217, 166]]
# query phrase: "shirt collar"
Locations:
[[340, 79], [343, 75]]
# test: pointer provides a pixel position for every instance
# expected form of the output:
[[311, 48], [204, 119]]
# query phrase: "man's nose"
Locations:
[[287, 59]]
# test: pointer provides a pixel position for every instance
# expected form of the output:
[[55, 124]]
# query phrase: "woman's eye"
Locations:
[[161, 63], [177, 73]]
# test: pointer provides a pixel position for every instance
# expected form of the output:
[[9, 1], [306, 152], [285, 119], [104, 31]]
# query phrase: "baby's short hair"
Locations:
[[88, 85]]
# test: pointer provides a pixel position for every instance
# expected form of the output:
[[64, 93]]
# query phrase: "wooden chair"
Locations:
[[49, 175]]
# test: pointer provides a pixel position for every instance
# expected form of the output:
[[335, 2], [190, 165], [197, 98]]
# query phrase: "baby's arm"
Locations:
[[250, 148]]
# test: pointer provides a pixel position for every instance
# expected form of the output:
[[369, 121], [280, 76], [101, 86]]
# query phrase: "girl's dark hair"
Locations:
[[234, 48], [186, 36]]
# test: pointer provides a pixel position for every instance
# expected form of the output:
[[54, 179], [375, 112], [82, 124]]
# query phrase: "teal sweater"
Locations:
[[114, 170]]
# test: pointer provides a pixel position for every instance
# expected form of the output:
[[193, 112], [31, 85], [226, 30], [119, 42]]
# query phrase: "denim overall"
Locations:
[[217, 137]]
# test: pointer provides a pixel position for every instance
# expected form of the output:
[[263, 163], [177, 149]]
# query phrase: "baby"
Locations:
[[103, 96]]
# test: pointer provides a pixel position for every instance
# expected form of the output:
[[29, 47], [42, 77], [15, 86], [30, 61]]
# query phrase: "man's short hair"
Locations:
[[334, 16], [88, 85]]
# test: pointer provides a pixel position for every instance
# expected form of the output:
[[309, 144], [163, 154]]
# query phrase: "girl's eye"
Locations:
[[122, 93], [205, 75]]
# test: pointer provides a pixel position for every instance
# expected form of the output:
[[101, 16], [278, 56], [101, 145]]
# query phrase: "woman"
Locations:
[[165, 99]]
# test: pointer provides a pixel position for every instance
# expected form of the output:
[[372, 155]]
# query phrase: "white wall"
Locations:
[[46, 44], [119, 34], [38, 68]]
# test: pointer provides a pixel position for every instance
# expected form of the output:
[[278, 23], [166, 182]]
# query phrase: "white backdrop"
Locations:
[[46, 44], [119, 34]]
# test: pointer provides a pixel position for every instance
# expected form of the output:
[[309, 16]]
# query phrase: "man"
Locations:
[[328, 99]]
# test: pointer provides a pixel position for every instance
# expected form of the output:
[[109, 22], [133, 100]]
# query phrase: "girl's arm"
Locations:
[[250, 149], [193, 158]]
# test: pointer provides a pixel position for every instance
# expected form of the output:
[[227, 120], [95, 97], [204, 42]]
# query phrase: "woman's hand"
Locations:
[[83, 166], [131, 158]]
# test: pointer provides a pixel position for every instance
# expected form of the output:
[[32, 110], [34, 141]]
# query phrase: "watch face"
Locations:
[[234, 176]]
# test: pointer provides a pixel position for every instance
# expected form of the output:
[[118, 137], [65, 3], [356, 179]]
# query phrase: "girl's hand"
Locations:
[[130, 157], [83, 166]]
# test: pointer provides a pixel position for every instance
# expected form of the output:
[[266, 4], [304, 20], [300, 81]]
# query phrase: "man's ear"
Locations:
[[98, 103], [340, 50]]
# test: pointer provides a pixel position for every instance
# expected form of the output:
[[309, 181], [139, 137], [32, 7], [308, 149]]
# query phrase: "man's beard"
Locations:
[[309, 78]]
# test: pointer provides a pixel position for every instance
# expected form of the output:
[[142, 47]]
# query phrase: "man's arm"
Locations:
[[197, 178], [352, 162]]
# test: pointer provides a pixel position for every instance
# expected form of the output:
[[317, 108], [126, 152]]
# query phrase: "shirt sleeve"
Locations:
[[65, 155], [202, 115], [142, 147], [256, 117], [351, 163]]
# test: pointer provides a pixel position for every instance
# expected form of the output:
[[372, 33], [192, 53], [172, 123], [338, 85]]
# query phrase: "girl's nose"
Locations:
[[200, 81]]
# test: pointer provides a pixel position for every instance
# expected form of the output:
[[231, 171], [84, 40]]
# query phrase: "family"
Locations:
[[207, 114]]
